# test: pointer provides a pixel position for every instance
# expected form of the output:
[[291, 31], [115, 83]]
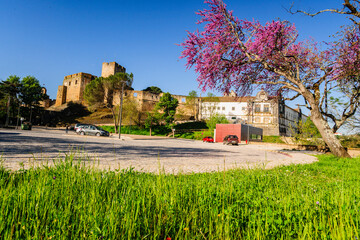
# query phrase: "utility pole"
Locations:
[[121, 106], [17, 117]]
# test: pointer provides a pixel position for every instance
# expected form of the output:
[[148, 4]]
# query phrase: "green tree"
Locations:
[[131, 111], [167, 107], [31, 92], [305, 131], [10, 90], [101, 91], [94, 93], [191, 104], [153, 89], [151, 120], [215, 119]]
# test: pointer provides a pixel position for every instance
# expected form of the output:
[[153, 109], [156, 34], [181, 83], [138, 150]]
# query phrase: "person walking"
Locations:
[[67, 129]]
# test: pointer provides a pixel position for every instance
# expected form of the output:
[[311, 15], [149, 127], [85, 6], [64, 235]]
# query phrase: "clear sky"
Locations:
[[50, 39]]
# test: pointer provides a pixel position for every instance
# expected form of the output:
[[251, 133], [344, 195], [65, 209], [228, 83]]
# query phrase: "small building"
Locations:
[[245, 133]]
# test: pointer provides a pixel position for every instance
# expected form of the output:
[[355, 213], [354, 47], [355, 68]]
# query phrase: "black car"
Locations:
[[231, 139]]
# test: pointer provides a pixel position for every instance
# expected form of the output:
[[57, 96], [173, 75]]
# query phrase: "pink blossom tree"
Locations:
[[232, 54]]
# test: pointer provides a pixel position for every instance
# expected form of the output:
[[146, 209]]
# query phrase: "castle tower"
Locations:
[[111, 68]]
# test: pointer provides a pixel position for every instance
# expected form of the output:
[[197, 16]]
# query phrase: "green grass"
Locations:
[[272, 139], [197, 135], [156, 131], [70, 201]]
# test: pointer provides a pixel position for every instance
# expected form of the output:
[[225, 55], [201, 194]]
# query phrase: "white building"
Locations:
[[267, 112]]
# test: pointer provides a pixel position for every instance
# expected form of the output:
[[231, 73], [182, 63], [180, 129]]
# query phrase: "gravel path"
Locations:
[[143, 153]]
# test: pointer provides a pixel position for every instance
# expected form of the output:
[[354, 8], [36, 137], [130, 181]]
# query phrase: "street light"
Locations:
[[121, 106]]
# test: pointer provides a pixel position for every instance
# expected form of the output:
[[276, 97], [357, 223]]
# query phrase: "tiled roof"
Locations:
[[232, 99]]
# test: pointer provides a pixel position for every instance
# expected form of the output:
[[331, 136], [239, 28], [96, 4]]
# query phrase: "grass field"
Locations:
[[70, 201]]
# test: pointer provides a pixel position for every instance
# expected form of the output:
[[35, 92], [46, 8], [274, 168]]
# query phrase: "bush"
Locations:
[[191, 125], [352, 141], [272, 139], [156, 130]]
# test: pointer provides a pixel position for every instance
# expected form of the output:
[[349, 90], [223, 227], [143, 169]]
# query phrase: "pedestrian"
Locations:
[[67, 129]]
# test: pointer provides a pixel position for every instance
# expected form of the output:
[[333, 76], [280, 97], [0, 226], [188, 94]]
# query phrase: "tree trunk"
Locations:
[[327, 134], [8, 112], [114, 117]]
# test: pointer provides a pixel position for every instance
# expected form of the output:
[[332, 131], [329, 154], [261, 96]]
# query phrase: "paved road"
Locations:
[[36, 147]]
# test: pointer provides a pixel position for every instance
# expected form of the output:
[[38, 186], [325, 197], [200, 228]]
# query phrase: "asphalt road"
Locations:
[[150, 154]]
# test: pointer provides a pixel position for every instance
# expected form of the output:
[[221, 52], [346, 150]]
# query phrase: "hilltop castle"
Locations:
[[73, 86], [72, 90]]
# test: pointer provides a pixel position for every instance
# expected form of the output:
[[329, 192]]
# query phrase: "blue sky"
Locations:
[[52, 39]]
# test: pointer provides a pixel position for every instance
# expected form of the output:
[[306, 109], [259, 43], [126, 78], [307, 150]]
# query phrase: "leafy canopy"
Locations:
[[215, 119], [153, 89], [167, 105]]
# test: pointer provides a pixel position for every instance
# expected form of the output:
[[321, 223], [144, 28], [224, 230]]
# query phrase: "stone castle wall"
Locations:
[[73, 88], [147, 100], [61, 95], [111, 68]]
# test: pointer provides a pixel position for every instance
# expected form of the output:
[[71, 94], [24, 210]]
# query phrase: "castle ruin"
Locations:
[[72, 89]]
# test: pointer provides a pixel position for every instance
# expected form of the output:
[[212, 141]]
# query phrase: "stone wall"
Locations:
[[73, 88], [61, 95], [111, 68], [147, 101]]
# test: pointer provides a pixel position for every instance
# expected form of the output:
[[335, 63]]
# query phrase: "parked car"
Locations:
[[231, 139], [78, 125], [92, 130], [208, 139]]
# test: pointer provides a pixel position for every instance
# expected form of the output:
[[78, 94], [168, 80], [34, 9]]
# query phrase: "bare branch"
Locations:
[[350, 9], [294, 97]]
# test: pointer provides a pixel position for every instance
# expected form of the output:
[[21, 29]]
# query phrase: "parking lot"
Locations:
[[143, 153]]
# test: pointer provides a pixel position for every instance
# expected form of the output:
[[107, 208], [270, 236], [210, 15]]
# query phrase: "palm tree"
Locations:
[[10, 88]]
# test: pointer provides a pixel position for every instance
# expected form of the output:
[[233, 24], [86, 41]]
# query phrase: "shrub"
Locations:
[[272, 139]]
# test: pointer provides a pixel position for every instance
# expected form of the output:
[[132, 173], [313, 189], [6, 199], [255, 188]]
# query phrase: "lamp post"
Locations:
[[120, 110]]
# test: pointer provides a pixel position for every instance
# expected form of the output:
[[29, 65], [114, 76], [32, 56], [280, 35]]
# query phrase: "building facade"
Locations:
[[263, 111]]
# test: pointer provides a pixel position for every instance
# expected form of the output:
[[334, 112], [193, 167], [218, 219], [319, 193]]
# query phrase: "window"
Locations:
[[233, 108], [257, 108], [266, 108], [218, 108], [257, 120], [183, 100], [135, 94], [75, 82], [223, 108], [69, 83], [243, 108], [233, 117]]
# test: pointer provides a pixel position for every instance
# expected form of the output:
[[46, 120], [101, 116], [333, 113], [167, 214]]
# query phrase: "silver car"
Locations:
[[92, 130], [79, 125]]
